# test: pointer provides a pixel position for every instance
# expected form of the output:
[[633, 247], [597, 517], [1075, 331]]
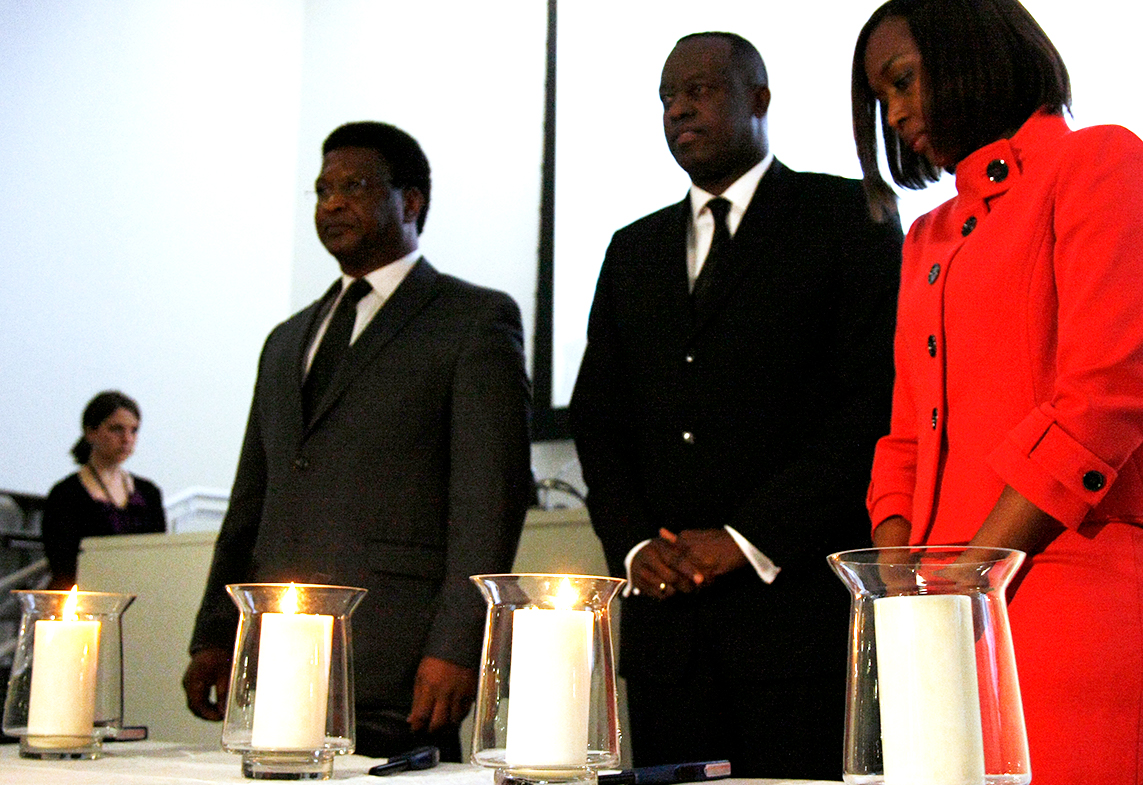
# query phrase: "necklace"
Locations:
[[106, 491]]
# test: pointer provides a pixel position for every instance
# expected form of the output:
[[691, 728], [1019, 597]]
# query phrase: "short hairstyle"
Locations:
[[408, 166], [744, 56], [99, 409], [989, 67]]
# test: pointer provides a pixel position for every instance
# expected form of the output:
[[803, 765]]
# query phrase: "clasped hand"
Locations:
[[684, 562]]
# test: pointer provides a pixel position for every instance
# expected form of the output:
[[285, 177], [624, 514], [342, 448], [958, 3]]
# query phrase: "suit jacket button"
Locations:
[[932, 346], [1094, 481], [688, 437], [690, 358], [969, 225], [301, 464], [934, 271], [997, 170]]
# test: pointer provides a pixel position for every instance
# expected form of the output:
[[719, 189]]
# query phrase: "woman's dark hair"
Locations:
[[99, 409], [989, 67]]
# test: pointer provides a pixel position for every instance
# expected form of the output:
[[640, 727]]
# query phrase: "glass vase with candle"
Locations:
[[933, 696], [65, 692], [290, 706], [546, 708]]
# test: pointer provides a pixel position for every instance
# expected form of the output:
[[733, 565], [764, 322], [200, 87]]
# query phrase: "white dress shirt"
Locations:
[[384, 281]]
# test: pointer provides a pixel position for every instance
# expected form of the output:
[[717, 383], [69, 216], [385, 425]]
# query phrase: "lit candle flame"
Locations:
[[565, 597], [71, 605], [289, 603]]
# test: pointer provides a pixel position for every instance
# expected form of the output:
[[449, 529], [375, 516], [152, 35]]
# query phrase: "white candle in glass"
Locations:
[[292, 687], [549, 685], [65, 659], [927, 687]]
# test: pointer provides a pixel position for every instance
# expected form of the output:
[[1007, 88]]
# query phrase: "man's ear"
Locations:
[[414, 203], [761, 101]]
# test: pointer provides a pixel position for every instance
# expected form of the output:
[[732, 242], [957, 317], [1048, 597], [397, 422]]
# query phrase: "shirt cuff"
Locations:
[[630, 588], [763, 566], [766, 569]]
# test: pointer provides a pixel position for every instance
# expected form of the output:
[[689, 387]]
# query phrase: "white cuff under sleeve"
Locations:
[[763, 566], [766, 569]]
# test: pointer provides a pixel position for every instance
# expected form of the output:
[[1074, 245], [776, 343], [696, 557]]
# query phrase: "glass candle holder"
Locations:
[[546, 708], [290, 707], [933, 696], [65, 692]]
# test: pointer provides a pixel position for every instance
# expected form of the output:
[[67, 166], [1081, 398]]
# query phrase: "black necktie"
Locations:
[[333, 346], [719, 243]]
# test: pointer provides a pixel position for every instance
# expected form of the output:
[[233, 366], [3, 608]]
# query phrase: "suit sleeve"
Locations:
[[604, 437], [217, 617], [819, 492], [490, 477]]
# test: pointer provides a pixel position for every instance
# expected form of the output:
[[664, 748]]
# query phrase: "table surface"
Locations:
[[161, 763]]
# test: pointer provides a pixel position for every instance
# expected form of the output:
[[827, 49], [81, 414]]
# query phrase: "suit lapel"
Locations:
[[760, 223], [413, 294]]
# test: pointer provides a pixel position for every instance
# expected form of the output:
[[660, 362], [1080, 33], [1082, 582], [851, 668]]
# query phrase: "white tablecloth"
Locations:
[[160, 763]]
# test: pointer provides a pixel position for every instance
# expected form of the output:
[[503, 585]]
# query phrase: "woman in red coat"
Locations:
[[1018, 404]]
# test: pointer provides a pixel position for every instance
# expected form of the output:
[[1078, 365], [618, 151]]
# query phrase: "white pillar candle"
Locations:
[[927, 686], [549, 687], [292, 687], [65, 659]]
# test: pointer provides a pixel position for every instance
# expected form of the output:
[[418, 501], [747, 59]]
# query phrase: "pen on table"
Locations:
[[413, 760], [669, 773], [131, 733]]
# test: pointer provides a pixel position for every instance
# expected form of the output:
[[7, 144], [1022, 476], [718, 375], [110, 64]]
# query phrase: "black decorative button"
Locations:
[[301, 464], [688, 437], [1094, 481], [690, 358], [932, 346], [934, 271], [969, 225], [934, 419], [997, 170]]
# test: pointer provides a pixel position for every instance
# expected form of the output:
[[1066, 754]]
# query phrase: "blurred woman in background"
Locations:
[[101, 498]]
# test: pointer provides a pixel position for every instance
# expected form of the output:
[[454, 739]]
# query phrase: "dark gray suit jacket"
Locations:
[[758, 409], [414, 474]]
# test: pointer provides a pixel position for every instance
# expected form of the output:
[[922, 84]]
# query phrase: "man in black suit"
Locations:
[[388, 448], [725, 416]]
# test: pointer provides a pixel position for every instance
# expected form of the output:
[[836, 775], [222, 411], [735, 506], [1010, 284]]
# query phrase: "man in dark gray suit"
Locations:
[[388, 448], [725, 415]]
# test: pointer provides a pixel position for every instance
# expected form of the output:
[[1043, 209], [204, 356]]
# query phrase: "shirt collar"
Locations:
[[386, 279], [739, 193]]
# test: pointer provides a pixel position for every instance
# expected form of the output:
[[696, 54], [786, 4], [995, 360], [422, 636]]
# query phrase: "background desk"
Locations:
[[167, 573], [155, 763]]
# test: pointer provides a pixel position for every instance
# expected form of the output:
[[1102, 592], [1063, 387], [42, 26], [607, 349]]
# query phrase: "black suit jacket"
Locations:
[[414, 474], [758, 409]]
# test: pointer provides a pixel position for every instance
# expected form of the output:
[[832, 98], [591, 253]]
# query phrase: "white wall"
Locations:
[[148, 152]]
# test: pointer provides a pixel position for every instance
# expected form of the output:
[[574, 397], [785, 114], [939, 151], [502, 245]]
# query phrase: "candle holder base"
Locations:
[[288, 765], [61, 747], [522, 776]]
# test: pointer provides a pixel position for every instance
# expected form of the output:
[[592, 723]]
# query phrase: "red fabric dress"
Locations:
[[1019, 358]]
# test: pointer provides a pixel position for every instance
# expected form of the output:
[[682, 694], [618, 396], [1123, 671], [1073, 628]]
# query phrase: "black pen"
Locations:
[[669, 773], [413, 760]]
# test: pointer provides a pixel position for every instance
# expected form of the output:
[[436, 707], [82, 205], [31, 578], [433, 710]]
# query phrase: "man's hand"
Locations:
[[208, 668], [442, 694], [684, 562], [713, 551]]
